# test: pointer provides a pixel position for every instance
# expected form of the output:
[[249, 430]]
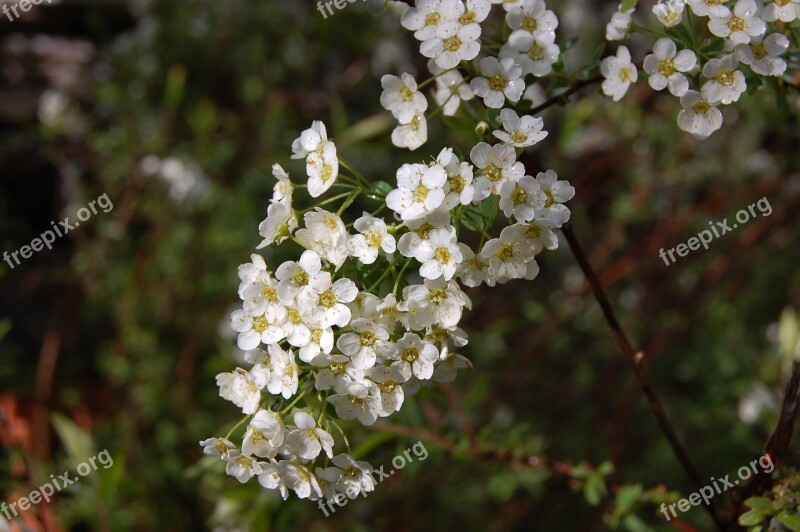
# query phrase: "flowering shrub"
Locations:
[[369, 310]]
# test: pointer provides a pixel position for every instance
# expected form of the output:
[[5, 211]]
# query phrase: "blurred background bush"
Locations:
[[177, 111]]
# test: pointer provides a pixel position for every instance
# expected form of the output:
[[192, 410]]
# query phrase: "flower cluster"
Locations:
[[743, 39]]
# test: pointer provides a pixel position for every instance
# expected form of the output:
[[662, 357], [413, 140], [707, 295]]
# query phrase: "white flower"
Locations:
[[372, 238], [326, 235], [522, 199], [271, 478], [420, 190], [356, 476], [536, 235], [458, 189], [338, 372], [619, 72], [254, 328], [670, 12], [473, 269], [507, 258], [241, 467], [307, 440], [311, 140], [436, 301], [666, 67], [620, 24], [328, 308], [258, 289], [520, 132], [428, 15], [283, 188], [698, 117], [264, 436], [450, 89], [298, 333], [763, 56], [358, 401], [243, 388], [725, 84], [389, 379], [740, 25], [704, 8], [300, 480], [557, 192], [304, 275], [321, 342], [452, 43], [499, 80], [440, 255], [533, 17], [535, 54], [411, 135], [284, 378], [217, 447], [411, 243], [416, 355], [783, 10], [322, 168], [401, 97], [279, 224], [499, 165], [366, 343]]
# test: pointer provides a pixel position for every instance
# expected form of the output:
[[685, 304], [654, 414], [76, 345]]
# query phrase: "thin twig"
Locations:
[[635, 358], [563, 98]]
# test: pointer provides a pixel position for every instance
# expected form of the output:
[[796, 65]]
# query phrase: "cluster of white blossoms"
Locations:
[[370, 309], [743, 37]]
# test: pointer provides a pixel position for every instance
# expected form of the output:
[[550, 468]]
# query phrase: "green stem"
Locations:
[[239, 424]]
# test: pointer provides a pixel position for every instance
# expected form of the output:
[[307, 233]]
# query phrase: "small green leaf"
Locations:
[[792, 522], [628, 4], [751, 518], [759, 503], [77, 442]]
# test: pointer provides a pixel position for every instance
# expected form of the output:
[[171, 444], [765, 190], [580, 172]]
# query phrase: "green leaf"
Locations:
[[380, 188], [759, 503], [682, 35], [627, 497], [77, 442], [595, 489], [752, 518], [628, 4], [635, 524], [792, 522]]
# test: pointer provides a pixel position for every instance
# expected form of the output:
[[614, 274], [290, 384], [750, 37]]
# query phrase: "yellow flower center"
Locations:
[[671, 16], [725, 78], [373, 239], [420, 193], [467, 18], [452, 44], [505, 252], [270, 294], [759, 52], [410, 354], [330, 222], [367, 339], [493, 173], [326, 173], [424, 230], [550, 201], [701, 107], [519, 196], [497, 82], [476, 264], [327, 299], [457, 184], [736, 23], [536, 52], [316, 335], [337, 368], [529, 24], [518, 137], [260, 324], [406, 94], [666, 68], [442, 255], [432, 19], [257, 436], [300, 277], [294, 315], [533, 231], [437, 295], [625, 74], [387, 386]]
